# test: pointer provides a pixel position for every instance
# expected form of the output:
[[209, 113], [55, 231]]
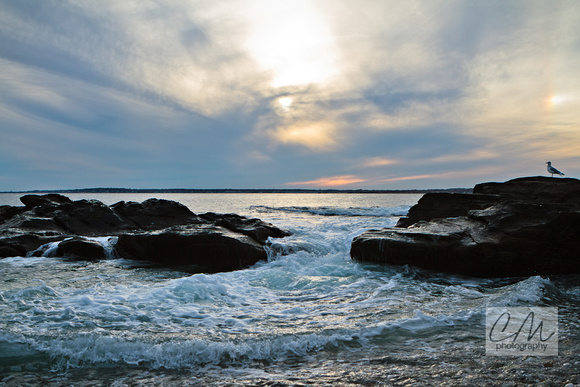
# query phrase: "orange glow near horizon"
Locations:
[[333, 181]]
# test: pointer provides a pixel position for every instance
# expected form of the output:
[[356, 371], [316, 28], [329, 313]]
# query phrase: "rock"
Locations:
[[9, 251], [9, 212], [203, 248], [443, 205], [155, 214], [523, 227], [31, 201], [89, 217], [81, 248], [160, 231], [538, 188], [255, 228], [27, 243], [41, 224]]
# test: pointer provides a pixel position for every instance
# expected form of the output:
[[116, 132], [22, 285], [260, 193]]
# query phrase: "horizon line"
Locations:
[[232, 190]]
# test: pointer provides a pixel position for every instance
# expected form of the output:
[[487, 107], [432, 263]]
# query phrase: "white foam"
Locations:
[[108, 243], [50, 249], [527, 292], [47, 249], [177, 352], [29, 293]]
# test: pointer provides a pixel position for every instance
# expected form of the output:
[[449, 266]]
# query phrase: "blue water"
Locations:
[[308, 315]]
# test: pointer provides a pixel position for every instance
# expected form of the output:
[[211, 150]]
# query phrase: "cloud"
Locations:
[[314, 135], [54, 128], [257, 93], [164, 50], [378, 162], [421, 177], [460, 157]]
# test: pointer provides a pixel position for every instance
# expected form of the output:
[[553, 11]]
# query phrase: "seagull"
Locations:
[[553, 170]]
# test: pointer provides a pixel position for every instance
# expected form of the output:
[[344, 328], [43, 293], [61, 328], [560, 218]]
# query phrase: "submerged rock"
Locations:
[[527, 226], [161, 231]]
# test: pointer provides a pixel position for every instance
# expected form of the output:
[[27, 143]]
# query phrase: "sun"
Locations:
[[291, 41], [285, 102], [556, 100]]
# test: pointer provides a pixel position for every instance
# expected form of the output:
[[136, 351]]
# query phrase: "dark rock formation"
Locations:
[[537, 189], [444, 205], [88, 217], [160, 231], [527, 226], [208, 248], [254, 228], [31, 201], [81, 248], [7, 250], [155, 214], [8, 212]]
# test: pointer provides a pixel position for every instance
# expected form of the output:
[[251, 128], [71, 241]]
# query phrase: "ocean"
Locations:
[[308, 316]]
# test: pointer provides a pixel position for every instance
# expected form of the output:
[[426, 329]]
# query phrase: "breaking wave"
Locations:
[[338, 211]]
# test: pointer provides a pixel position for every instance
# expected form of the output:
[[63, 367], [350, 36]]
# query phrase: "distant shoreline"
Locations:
[[242, 190]]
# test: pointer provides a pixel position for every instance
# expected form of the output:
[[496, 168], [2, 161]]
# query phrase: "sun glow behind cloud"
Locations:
[[557, 100], [317, 136], [291, 41], [285, 102]]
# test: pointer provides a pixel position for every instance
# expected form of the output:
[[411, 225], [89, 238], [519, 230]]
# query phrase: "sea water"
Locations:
[[308, 316]]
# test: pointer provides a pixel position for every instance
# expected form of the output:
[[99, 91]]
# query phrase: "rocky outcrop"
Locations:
[[526, 226], [254, 228], [161, 231], [444, 205], [201, 247], [155, 214], [563, 191]]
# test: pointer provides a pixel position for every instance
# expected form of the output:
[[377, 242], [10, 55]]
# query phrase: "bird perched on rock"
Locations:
[[553, 170]]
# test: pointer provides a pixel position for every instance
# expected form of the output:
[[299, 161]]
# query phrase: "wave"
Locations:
[[528, 292], [177, 352], [338, 211]]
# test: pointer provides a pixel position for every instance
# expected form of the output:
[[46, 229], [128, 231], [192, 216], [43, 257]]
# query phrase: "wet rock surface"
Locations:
[[161, 231], [526, 226], [81, 248]]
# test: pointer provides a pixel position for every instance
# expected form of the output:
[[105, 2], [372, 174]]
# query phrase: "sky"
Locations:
[[365, 94]]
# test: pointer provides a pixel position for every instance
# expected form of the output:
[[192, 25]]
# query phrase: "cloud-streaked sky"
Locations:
[[272, 94]]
